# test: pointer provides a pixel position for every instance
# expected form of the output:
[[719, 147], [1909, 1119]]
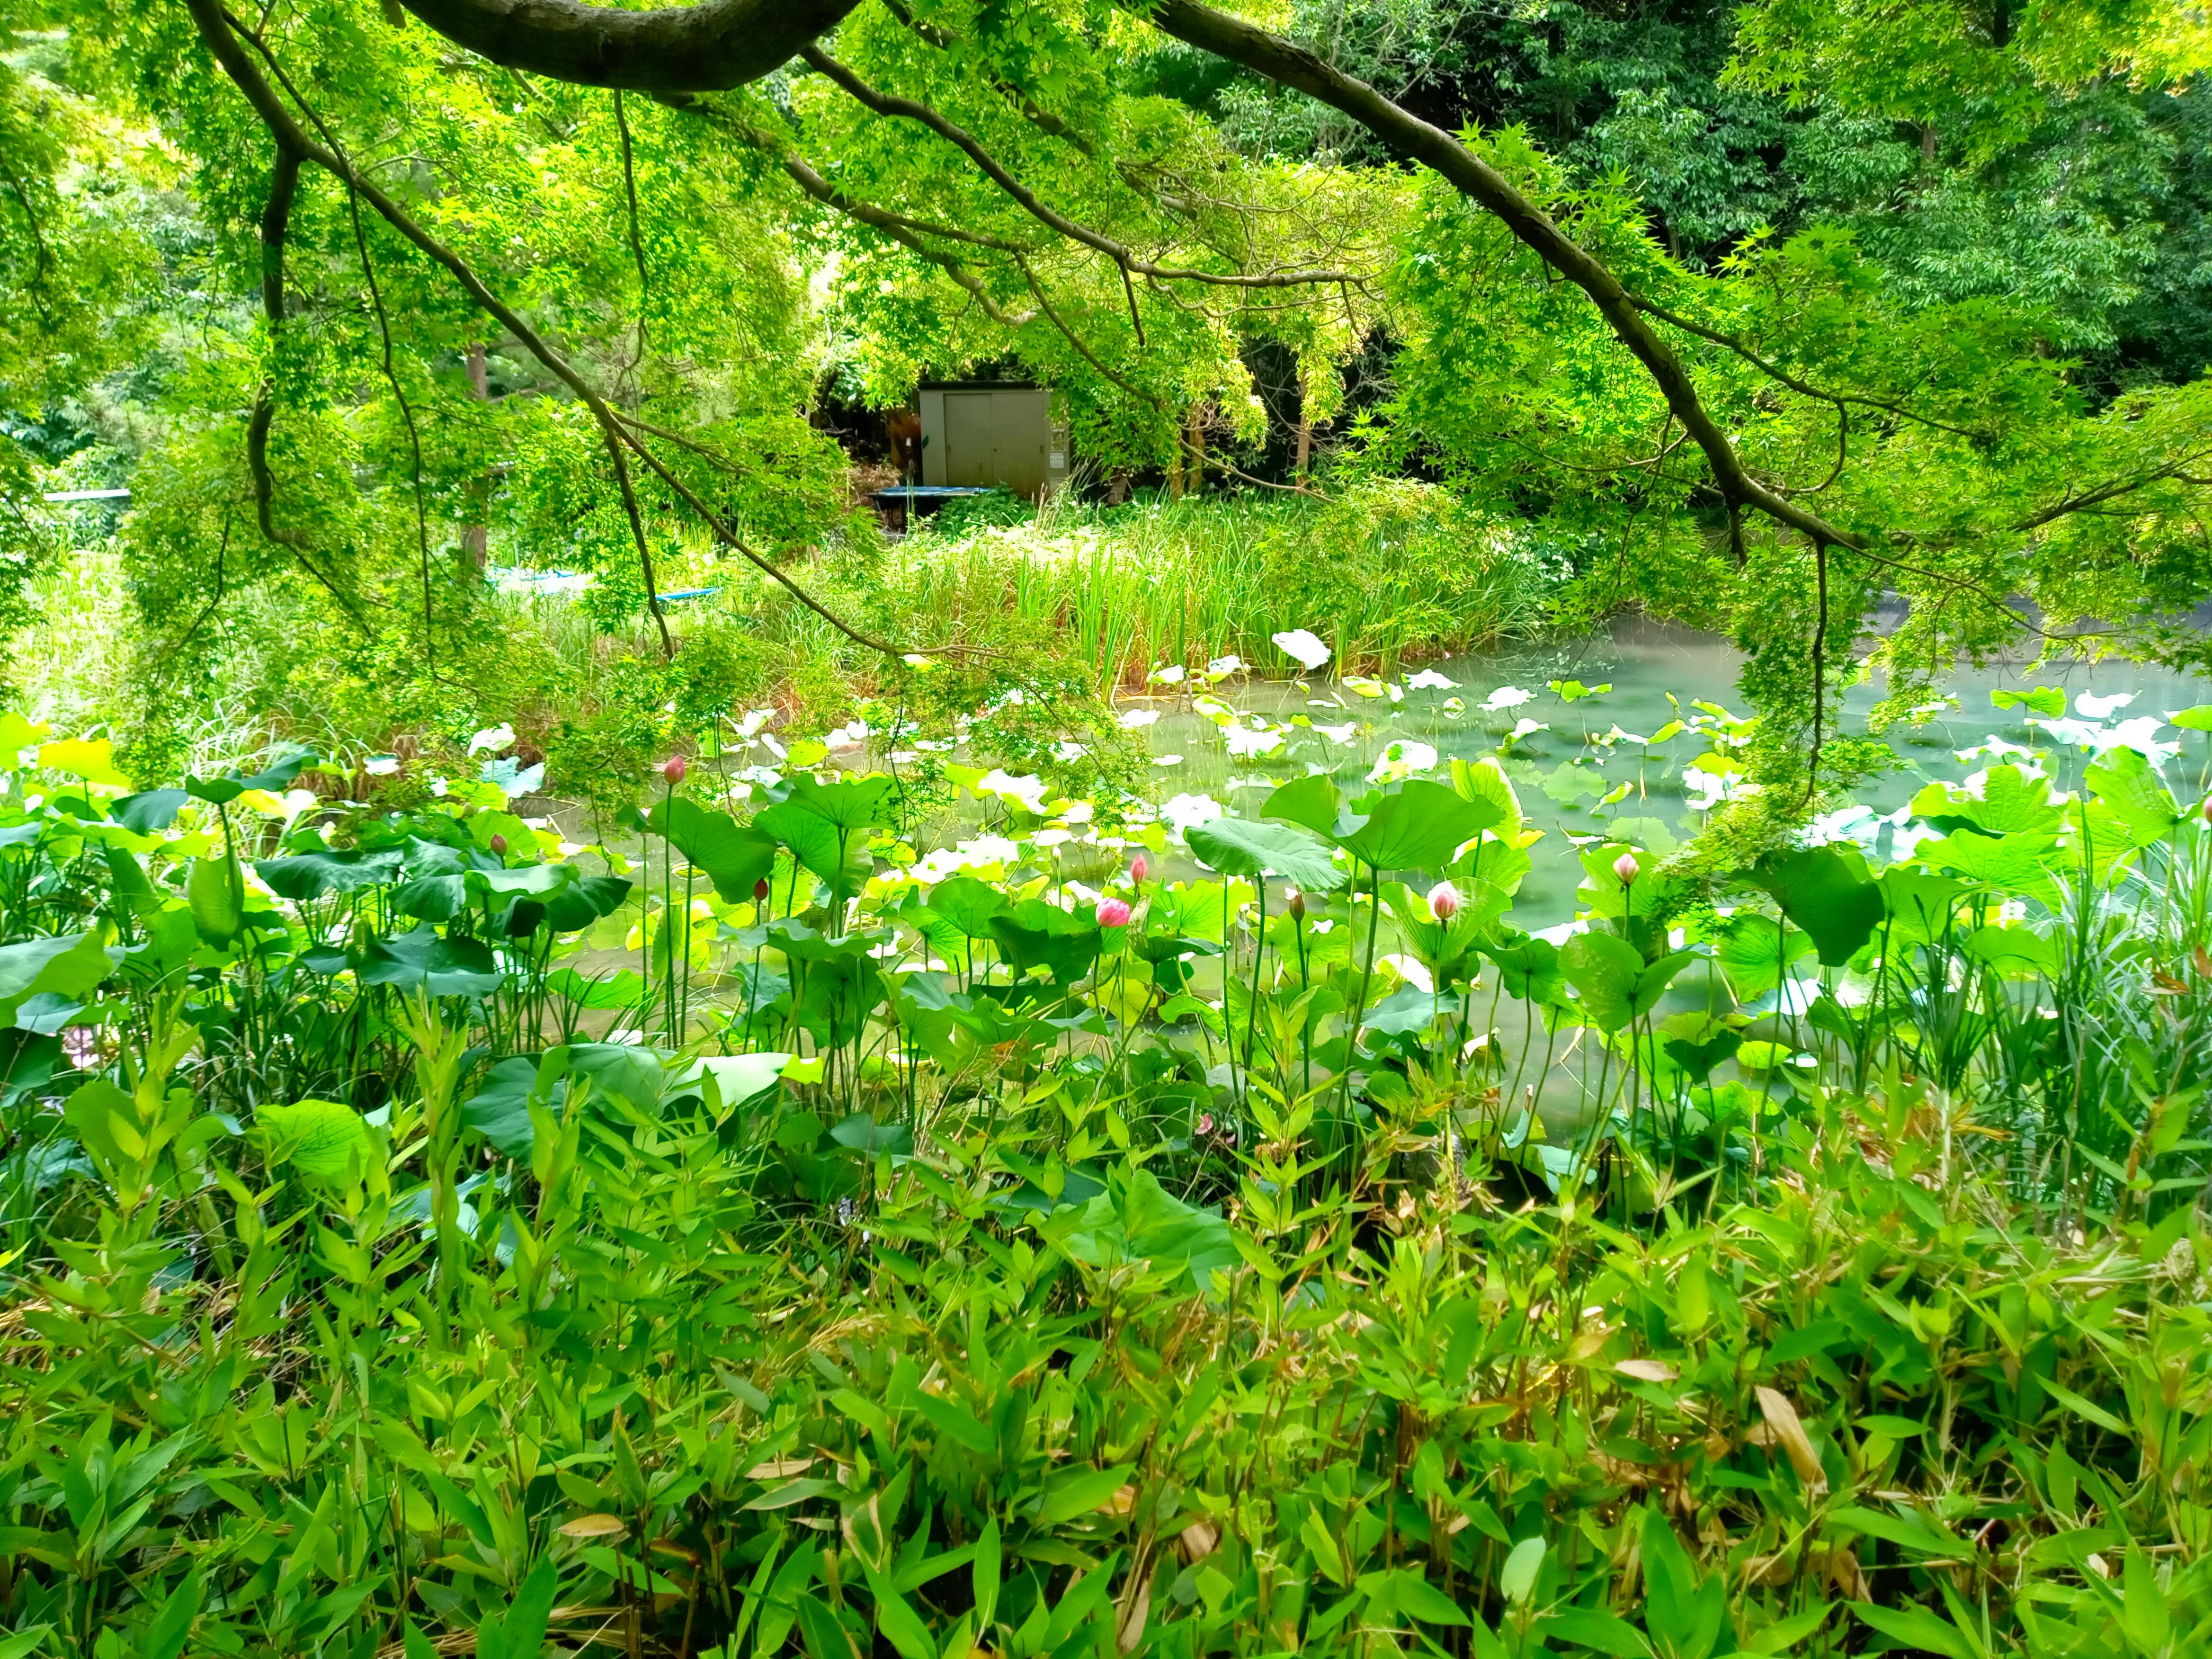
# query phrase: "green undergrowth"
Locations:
[[804, 1232]]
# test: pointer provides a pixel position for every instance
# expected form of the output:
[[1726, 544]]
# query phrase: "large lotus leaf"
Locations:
[[860, 1131], [813, 840], [585, 901], [1752, 949], [310, 875], [499, 1111], [2010, 800], [65, 965], [968, 905], [1921, 905], [522, 880], [1404, 1013], [1484, 780], [1529, 969], [735, 857], [2014, 864], [2134, 793], [744, 1080], [154, 809], [431, 898], [1417, 827], [1826, 891], [1137, 1219], [1312, 800], [1604, 969], [801, 943], [92, 759], [848, 803], [423, 960], [323, 1140], [215, 890], [1500, 864], [1616, 985], [626, 1071], [1604, 894], [1238, 847]]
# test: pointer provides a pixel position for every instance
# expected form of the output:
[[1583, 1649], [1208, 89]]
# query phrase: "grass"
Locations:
[[1383, 574]]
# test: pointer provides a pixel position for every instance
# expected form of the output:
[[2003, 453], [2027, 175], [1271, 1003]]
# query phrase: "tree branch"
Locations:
[[891, 105], [1294, 66], [703, 48]]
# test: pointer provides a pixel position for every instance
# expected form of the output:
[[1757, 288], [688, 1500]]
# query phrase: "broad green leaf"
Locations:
[[1078, 1491], [2135, 793], [734, 857], [1419, 826], [1604, 972], [1516, 1580], [92, 759], [849, 803], [320, 1139], [1917, 1627], [1238, 847], [215, 890], [1827, 892], [1312, 800]]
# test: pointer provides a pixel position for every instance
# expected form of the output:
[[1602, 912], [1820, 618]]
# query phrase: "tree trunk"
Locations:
[[1305, 433]]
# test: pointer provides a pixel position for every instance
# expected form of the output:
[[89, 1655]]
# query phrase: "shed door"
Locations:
[[969, 439]]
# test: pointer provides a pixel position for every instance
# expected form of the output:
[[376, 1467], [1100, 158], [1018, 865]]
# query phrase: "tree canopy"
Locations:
[[1762, 314]]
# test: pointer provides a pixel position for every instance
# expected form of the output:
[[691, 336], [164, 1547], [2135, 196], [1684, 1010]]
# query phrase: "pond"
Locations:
[[1655, 674]]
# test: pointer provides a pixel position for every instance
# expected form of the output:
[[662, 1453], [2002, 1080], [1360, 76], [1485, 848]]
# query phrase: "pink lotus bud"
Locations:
[[1626, 868], [499, 847], [1113, 912], [673, 769], [1139, 870], [1297, 906], [1444, 900], [2206, 809]]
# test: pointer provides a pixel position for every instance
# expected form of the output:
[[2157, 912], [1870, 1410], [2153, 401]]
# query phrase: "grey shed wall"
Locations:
[[989, 436]]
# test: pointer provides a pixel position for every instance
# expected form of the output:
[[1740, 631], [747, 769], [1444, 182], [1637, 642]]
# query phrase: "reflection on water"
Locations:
[[1564, 774]]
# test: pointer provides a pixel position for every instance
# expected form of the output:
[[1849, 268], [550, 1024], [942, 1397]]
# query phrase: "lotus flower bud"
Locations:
[[1626, 868], [759, 890], [1139, 870], [2206, 809], [1297, 906], [1113, 912], [1444, 900], [499, 847], [673, 769]]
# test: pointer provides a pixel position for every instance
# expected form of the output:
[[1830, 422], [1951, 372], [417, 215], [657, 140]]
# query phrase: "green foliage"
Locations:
[[933, 1259]]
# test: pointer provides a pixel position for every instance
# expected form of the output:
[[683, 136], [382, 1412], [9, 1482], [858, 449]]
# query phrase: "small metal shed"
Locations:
[[992, 433]]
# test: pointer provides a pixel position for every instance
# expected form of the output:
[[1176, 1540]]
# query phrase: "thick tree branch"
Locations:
[[703, 48]]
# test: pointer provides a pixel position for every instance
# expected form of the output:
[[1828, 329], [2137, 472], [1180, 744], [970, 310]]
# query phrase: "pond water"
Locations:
[[1656, 674]]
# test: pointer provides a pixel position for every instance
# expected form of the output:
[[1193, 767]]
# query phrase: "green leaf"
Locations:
[[2135, 793], [1517, 1578], [2198, 719], [1599, 1630], [968, 905], [143, 814], [92, 759], [1415, 1595], [1311, 801], [850, 803], [1787, 1635], [320, 1139], [1606, 972], [985, 1572], [64, 964], [1419, 825], [734, 857], [1238, 847], [1078, 1491], [1917, 1626], [215, 890], [1529, 969], [2048, 701], [2150, 1625], [1825, 891]]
